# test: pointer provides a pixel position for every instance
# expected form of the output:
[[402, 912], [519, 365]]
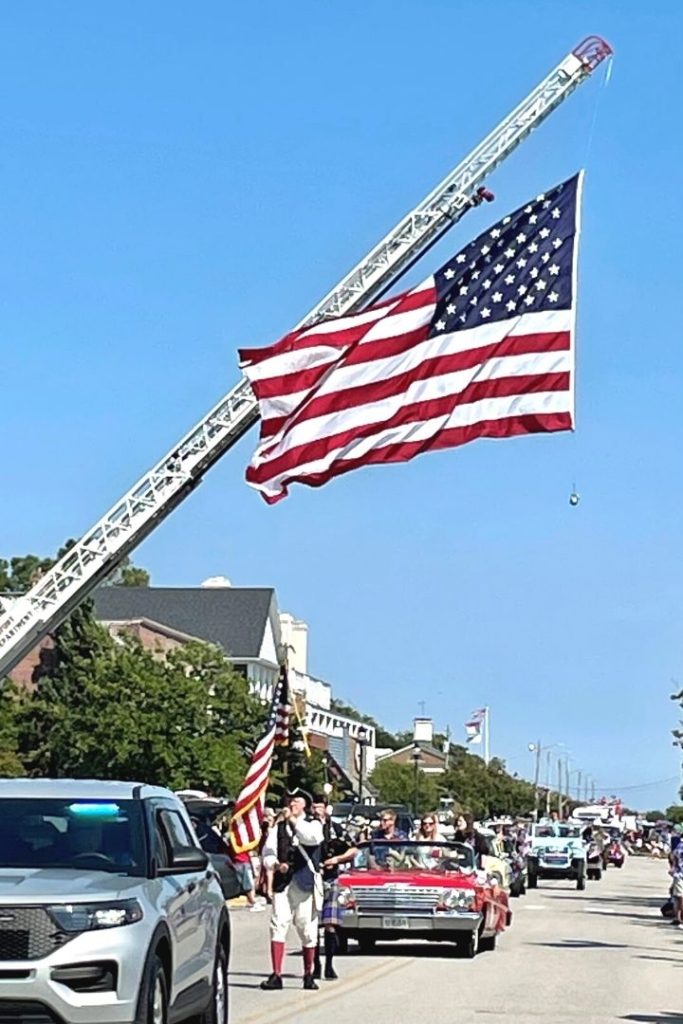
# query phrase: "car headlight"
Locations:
[[85, 917], [457, 899], [346, 897]]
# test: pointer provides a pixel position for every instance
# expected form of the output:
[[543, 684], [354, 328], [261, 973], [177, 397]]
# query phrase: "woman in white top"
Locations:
[[429, 831]]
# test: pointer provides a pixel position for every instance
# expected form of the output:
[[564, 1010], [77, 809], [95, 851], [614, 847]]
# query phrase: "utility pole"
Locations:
[[548, 782], [578, 787], [537, 749], [447, 748], [567, 791], [559, 787]]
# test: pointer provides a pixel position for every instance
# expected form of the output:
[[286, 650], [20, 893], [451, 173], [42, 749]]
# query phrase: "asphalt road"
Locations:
[[602, 955]]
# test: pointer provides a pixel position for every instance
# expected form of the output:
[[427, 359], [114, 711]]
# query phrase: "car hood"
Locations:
[[416, 878], [59, 885]]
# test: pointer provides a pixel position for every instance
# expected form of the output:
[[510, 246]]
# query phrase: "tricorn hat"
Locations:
[[301, 794]]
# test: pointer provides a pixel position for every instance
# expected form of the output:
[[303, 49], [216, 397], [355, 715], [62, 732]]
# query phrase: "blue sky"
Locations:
[[176, 182]]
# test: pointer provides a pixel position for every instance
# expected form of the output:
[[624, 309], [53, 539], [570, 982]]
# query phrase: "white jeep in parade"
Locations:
[[557, 851]]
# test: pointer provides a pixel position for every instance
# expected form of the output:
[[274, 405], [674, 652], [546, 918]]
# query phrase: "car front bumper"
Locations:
[[556, 869], [441, 923]]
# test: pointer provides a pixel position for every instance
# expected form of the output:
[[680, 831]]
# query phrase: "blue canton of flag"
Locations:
[[524, 264]]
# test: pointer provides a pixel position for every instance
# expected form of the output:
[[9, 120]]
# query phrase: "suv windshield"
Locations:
[[555, 830], [389, 855], [91, 835]]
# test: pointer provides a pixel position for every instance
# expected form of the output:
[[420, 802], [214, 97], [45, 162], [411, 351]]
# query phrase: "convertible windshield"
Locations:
[[98, 835], [389, 855]]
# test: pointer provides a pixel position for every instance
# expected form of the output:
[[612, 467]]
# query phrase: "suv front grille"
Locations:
[[28, 933]]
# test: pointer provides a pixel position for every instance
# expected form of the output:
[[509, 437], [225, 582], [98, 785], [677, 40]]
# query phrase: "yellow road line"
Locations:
[[305, 1004]]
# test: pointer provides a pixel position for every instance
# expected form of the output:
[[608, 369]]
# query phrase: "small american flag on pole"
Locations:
[[473, 728], [481, 348], [247, 815]]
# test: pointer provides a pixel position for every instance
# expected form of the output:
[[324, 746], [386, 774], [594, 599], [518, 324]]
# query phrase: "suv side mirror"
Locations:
[[185, 860]]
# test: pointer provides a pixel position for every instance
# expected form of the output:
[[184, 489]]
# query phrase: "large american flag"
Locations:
[[481, 348], [247, 815]]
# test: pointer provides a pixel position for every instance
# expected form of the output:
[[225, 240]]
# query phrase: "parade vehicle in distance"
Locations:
[[421, 890], [557, 851], [109, 909], [492, 858], [615, 853], [204, 812]]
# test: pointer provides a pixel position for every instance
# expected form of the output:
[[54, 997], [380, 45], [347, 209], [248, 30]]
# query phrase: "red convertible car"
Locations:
[[417, 890]]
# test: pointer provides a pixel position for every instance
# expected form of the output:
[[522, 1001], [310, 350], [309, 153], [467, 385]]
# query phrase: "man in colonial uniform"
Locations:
[[293, 849]]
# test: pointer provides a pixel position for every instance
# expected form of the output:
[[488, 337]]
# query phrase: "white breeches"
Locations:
[[294, 906]]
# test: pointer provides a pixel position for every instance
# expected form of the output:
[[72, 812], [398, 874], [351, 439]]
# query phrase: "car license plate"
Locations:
[[395, 922]]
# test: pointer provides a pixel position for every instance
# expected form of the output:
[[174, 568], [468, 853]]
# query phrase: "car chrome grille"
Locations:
[[405, 898], [28, 933]]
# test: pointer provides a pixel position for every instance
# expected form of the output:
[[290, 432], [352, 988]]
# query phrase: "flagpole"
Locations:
[[487, 736]]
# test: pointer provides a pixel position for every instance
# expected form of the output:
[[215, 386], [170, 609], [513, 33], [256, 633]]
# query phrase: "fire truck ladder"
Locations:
[[27, 619]]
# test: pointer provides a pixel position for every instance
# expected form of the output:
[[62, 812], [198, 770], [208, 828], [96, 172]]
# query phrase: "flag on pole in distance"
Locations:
[[247, 815], [473, 728], [482, 348]]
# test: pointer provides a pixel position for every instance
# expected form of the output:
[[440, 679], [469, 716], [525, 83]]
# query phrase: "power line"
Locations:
[[643, 785]]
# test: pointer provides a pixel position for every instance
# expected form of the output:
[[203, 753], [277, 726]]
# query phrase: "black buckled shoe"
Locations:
[[310, 983], [272, 983]]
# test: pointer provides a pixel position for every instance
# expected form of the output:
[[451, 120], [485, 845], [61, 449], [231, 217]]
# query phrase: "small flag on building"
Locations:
[[247, 815], [482, 348]]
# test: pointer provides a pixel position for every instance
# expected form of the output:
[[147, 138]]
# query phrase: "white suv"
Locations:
[[110, 912]]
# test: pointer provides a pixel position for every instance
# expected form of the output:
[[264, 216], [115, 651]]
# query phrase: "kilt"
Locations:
[[331, 913]]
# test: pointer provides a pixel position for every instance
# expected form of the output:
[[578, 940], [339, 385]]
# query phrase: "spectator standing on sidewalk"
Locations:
[[245, 877], [676, 872]]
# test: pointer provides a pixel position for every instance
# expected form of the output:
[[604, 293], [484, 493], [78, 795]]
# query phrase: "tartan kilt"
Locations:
[[331, 912]]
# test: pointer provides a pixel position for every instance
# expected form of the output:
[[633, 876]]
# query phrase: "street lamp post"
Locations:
[[417, 760], [362, 741]]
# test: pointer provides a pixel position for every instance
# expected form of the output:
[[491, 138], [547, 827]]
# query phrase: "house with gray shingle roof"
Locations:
[[243, 621]]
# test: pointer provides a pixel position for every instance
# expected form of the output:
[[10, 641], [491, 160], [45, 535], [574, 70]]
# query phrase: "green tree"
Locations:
[[20, 573], [398, 784], [111, 709], [674, 814], [128, 575], [383, 738], [10, 762]]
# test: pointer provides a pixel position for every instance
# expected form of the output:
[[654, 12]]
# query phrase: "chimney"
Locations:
[[423, 730]]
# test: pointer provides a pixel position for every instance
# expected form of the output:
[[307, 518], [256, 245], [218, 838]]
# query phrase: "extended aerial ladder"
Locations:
[[25, 620]]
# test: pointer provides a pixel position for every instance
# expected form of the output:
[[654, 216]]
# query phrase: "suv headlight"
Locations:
[[85, 917]]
